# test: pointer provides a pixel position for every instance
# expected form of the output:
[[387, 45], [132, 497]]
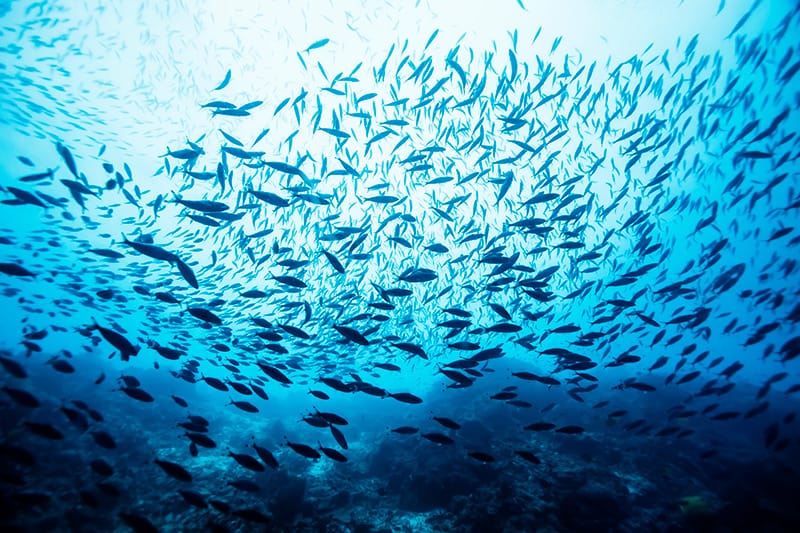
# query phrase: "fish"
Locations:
[[540, 426], [174, 470], [570, 430], [334, 262], [21, 397], [187, 273], [26, 197], [483, 457], [317, 44], [68, 158], [138, 394], [123, 345], [405, 430], [406, 397], [447, 422], [528, 456], [205, 315], [290, 281], [13, 269], [247, 461], [225, 81], [204, 206], [303, 450], [437, 438], [270, 198]]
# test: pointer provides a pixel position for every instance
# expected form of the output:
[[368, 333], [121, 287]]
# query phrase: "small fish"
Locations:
[[174, 470], [66, 155], [317, 44], [224, 83], [13, 269]]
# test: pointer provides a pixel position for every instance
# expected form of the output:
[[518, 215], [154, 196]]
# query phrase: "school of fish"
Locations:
[[517, 229]]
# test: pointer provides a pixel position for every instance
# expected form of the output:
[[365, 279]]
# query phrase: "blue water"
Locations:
[[345, 267]]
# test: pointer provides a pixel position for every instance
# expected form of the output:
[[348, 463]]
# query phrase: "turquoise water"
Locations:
[[298, 266]]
